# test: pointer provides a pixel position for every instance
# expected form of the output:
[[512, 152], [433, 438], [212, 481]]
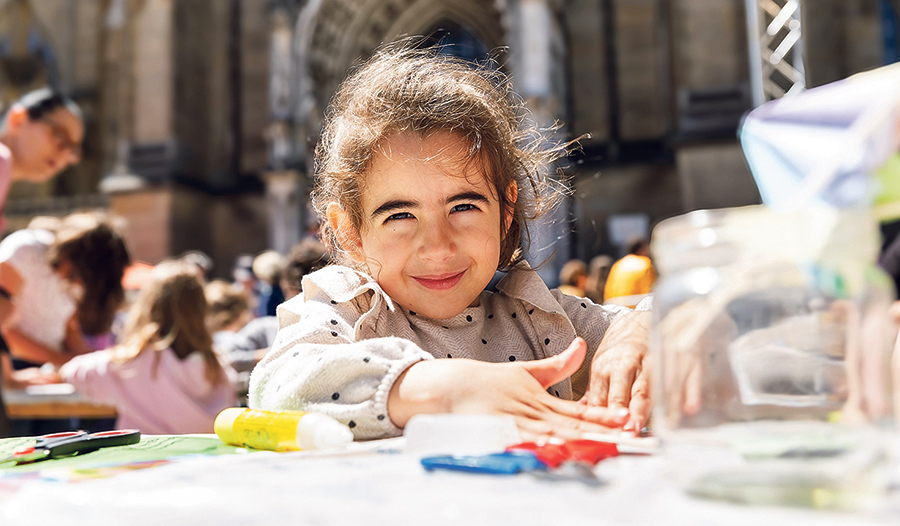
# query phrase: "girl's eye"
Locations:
[[401, 215], [463, 207]]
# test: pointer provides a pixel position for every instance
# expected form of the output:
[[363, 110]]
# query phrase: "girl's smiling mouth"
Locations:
[[440, 281]]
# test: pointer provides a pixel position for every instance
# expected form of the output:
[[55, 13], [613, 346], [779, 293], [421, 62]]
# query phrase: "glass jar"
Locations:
[[765, 316]]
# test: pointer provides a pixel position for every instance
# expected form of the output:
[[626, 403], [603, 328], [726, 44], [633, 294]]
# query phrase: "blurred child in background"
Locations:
[[573, 277], [164, 378], [304, 258], [228, 312], [268, 267], [598, 272]]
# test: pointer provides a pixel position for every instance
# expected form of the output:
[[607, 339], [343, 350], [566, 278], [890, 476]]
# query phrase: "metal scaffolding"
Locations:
[[776, 49]]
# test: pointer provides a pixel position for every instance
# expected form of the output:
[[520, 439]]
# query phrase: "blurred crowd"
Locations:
[[164, 345]]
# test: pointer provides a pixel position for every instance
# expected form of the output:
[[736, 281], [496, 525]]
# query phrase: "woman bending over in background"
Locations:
[[59, 286]]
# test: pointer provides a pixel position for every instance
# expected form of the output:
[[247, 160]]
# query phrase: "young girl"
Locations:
[[426, 189], [164, 377]]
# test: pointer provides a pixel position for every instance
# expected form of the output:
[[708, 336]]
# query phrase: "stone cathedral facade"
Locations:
[[202, 114]]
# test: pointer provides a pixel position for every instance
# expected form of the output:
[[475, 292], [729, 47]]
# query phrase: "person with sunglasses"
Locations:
[[40, 136]]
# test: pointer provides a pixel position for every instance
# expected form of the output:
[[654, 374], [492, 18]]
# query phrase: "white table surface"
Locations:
[[387, 488]]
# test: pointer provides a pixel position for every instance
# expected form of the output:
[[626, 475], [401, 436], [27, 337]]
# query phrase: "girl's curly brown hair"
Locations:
[[403, 89]]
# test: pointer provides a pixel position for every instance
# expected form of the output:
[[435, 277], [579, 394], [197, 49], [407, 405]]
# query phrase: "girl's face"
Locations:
[[431, 228]]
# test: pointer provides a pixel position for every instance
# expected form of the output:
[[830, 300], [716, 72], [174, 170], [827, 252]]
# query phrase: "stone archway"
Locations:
[[339, 32], [27, 58], [331, 35]]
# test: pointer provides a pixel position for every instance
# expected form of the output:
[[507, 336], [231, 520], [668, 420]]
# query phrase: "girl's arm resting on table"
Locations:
[[346, 380], [516, 389], [590, 321], [22, 378], [89, 374], [319, 362]]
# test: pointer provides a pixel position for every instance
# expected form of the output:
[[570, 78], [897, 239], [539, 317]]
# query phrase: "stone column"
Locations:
[[116, 88], [284, 197]]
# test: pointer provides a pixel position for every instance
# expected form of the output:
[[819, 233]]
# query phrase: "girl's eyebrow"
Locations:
[[469, 196], [400, 204], [390, 206]]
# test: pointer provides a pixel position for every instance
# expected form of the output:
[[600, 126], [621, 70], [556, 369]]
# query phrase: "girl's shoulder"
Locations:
[[335, 285], [522, 283], [337, 282], [525, 285]]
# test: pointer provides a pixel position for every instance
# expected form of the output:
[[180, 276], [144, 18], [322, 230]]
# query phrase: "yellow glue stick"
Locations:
[[280, 430]]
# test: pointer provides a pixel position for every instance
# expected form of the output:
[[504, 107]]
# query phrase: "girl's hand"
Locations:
[[619, 374], [517, 389]]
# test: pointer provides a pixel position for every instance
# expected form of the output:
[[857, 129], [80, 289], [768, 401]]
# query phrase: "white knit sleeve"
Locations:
[[318, 364]]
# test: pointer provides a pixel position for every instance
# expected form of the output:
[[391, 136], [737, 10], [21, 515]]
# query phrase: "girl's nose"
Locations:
[[437, 242]]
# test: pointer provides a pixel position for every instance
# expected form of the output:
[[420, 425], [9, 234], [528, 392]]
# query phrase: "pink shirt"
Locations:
[[5, 180], [173, 399]]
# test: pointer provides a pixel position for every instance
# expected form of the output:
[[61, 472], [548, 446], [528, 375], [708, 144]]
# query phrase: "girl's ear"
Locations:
[[344, 232], [512, 194]]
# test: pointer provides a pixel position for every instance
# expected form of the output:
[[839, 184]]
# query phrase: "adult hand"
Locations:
[[620, 378], [22, 378], [516, 389]]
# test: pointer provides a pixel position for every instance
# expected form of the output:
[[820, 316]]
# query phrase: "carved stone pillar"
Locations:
[[285, 193]]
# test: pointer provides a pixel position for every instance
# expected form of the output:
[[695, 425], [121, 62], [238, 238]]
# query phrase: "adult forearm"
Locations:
[[26, 348]]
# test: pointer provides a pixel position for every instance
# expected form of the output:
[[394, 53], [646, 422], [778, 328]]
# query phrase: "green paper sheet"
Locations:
[[151, 448]]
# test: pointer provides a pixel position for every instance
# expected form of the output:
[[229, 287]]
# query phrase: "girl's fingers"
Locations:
[[558, 426], [557, 368], [605, 416]]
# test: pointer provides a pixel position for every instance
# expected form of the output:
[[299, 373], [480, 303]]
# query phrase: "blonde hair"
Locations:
[[402, 89], [226, 304], [170, 312], [268, 266]]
